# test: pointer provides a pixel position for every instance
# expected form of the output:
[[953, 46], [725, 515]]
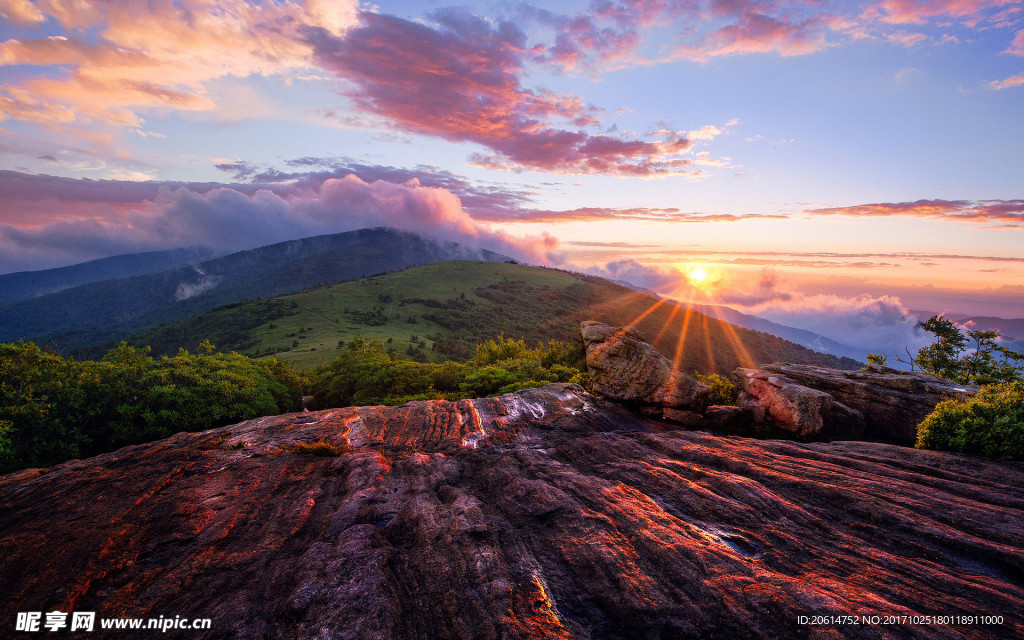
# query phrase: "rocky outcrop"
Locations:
[[891, 402], [545, 513], [795, 409], [623, 366]]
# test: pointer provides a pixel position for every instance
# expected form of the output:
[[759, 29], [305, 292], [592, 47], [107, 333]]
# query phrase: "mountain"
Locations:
[[110, 309], [809, 339], [1010, 329], [546, 513], [442, 310], [29, 284]]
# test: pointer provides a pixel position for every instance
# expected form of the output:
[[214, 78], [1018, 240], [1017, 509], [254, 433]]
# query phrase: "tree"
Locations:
[[972, 358]]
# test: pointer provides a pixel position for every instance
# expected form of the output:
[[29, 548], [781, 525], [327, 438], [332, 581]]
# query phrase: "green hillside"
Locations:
[[441, 311], [105, 311]]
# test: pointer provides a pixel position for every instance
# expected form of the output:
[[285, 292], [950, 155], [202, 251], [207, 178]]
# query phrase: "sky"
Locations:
[[831, 166]]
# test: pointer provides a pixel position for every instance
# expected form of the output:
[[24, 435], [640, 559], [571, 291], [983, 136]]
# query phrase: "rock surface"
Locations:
[[892, 402], [541, 514], [623, 366], [795, 409]]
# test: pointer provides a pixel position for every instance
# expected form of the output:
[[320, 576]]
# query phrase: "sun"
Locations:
[[698, 275]]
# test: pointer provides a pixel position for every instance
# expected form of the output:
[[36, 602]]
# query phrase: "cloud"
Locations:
[[98, 220], [460, 81], [639, 275], [765, 291], [874, 324], [122, 59], [757, 33], [21, 12], [1010, 212], [1016, 47], [920, 11], [485, 202], [1012, 81], [906, 39], [593, 214]]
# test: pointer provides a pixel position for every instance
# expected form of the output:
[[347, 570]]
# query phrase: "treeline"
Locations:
[[368, 373], [54, 408]]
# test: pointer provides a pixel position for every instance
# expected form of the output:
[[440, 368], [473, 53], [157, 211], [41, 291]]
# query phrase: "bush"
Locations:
[[723, 391], [990, 423], [320, 448], [54, 408], [367, 374]]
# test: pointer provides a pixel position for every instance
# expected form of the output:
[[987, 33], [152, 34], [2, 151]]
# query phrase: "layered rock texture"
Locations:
[[877, 403], [545, 513], [623, 366], [793, 408]]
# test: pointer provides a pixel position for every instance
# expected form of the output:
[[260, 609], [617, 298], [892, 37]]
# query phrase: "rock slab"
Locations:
[[546, 513], [892, 402], [795, 409], [623, 366]]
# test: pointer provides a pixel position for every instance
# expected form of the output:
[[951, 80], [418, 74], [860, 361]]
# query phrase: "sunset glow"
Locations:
[[834, 166]]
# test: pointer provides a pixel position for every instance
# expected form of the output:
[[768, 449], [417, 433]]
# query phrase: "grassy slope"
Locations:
[[460, 303]]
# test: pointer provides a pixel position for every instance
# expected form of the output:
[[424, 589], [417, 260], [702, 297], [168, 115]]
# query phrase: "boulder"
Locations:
[[624, 367], [891, 402], [545, 513], [795, 409]]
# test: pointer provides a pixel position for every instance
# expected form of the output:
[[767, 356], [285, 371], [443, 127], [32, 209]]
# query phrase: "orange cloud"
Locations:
[[143, 56], [21, 12]]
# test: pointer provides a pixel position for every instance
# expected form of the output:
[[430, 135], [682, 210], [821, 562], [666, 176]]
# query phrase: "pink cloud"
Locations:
[[461, 82], [906, 39], [758, 33], [1004, 211], [1007, 83], [57, 220], [919, 11], [1016, 47]]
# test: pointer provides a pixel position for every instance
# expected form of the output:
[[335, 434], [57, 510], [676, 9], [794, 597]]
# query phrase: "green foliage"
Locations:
[[454, 306], [54, 408], [971, 358], [319, 448], [723, 391], [366, 374], [990, 423], [878, 360]]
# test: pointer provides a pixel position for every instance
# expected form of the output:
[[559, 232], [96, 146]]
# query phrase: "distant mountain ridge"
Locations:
[[809, 339], [1010, 329], [442, 310], [100, 311], [29, 284]]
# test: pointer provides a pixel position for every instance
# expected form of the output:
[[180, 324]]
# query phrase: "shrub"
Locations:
[[321, 448], [723, 391], [54, 408], [365, 373], [990, 423]]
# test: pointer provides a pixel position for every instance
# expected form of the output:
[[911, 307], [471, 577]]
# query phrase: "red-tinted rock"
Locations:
[[892, 402], [541, 514], [623, 366], [795, 409]]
